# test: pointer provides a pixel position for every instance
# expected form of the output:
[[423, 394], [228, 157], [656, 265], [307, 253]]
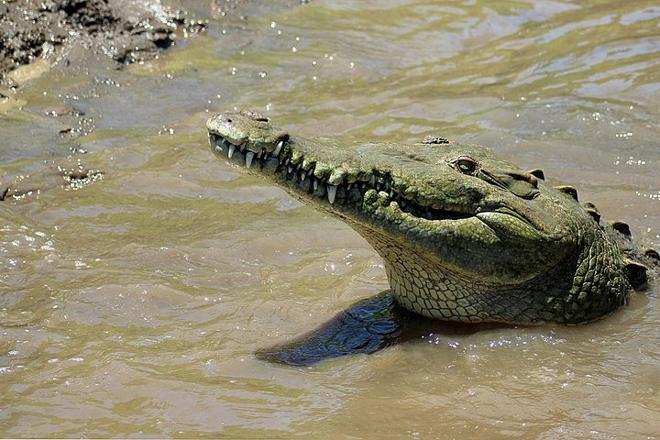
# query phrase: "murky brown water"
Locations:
[[132, 306]]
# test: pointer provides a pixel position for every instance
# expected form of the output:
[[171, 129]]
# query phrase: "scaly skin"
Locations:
[[464, 236]]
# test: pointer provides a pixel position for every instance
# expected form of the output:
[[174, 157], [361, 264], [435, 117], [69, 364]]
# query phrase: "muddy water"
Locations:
[[132, 306]]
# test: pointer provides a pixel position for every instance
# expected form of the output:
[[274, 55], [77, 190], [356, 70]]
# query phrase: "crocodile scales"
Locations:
[[464, 236]]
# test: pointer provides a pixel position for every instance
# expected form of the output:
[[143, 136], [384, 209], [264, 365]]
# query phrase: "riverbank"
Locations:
[[62, 73], [128, 31]]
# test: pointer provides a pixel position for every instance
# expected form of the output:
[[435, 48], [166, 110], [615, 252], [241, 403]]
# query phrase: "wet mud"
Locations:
[[126, 30], [71, 36]]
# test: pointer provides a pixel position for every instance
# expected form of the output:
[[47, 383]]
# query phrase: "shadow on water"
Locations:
[[364, 328]]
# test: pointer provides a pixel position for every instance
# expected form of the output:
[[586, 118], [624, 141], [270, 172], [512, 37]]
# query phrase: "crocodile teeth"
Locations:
[[232, 148], [332, 192], [248, 159], [277, 150]]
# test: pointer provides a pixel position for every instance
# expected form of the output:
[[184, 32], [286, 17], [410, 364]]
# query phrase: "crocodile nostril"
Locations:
[[229, 120]]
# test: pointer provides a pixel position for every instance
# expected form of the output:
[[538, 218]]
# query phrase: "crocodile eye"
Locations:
[[466, 165]]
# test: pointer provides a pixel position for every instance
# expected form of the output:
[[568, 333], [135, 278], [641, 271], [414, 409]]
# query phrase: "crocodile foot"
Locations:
[[364, 328]]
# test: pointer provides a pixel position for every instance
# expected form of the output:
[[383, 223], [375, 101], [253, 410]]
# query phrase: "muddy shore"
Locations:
[[125, 30], [90, 40]]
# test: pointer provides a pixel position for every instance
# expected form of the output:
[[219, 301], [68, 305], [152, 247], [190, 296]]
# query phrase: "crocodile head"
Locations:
[[464, 236]]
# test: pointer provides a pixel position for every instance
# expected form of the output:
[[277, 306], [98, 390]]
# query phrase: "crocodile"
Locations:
[[465, 237]]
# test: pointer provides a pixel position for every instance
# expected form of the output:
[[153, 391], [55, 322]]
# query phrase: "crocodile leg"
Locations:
[[365, 327]]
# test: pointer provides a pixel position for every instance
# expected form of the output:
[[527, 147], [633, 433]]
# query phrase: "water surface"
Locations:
[[133, 305]]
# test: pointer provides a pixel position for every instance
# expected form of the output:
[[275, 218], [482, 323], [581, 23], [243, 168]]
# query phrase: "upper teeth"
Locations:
[[295, 169], [278, 148]]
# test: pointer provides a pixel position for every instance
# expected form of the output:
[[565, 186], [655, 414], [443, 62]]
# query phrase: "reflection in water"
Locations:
[[133, 306]]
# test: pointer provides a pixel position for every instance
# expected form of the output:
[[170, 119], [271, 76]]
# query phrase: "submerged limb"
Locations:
[[365, 327]]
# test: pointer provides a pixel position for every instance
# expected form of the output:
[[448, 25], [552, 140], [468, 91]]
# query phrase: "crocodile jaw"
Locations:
[[360, 197]]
